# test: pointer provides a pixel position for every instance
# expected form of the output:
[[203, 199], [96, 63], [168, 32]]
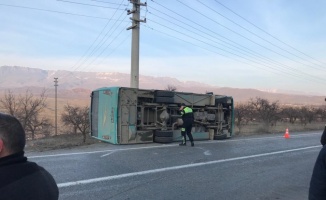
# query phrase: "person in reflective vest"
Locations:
[[188, 120]]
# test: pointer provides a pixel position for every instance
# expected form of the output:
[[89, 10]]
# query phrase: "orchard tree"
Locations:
[[27, 109], [307, 114], [78, 118], [291, 113], [243, 114], [321, 113], [267, 112]]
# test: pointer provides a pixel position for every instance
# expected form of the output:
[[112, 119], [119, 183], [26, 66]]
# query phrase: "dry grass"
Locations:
[[62, 140], [49, 112], [258, 128], [66, 141]]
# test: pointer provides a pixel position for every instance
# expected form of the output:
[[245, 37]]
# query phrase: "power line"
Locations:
[[239, 33], [252, 32], [113, 50], [217, 34], [200, 34], [233, 47], [97, 39], [193, 38], [254, 42], [85, 4], [295, 72], [101, 43], [109, 2], [193, 22], [172, 36], [267, 32], [54, 11], [271, 67], [91, 62]]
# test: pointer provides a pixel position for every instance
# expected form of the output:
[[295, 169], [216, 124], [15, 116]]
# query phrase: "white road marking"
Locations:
[[207, 153], [107, 154], [120, 176], [92, 152], [170, 145], [262, 138]]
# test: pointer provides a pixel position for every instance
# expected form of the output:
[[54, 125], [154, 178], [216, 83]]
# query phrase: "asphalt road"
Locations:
[[256, 167]]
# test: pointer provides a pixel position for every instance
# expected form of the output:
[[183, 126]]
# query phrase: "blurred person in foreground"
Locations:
[[19, 178], [317, 188]]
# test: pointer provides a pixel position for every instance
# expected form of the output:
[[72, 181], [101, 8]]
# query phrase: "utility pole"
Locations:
[[55, 107], [134, 74]]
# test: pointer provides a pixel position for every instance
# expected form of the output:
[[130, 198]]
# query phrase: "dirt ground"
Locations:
[[69, 141], [66, 141]]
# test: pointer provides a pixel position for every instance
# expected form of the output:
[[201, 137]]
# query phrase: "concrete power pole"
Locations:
[[134, 74], [55, 107]]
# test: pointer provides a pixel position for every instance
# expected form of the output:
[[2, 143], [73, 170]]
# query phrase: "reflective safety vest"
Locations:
[[187, 113]]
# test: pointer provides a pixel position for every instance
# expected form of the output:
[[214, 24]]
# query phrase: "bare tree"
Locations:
[[171, 88], [321, 113], [37, 123], [78, 118], [307, 115], [9, 103], [267, 112], [27, 108], [242, 115], [291, 113]]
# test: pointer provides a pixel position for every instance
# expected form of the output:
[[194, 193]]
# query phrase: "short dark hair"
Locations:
[[12, 133], [182, 104]]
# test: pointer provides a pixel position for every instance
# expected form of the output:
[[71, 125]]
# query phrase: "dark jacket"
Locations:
[[317, 190], [187, 113], [20, 179], [323, 137]]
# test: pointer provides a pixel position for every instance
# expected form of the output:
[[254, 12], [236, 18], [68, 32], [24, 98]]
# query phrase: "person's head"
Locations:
[[182, 105], [12, 135]]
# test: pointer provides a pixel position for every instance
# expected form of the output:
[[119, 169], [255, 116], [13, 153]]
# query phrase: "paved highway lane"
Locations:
[[257, 167]]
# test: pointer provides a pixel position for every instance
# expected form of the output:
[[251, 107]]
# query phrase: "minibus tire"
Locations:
[[220, 137], [163, 133], [163, 139]]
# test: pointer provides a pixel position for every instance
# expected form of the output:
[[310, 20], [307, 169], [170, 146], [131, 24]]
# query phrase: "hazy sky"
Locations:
[[261, 44]]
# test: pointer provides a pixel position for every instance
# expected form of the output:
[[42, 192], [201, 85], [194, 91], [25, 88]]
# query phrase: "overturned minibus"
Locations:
[[121, 115]]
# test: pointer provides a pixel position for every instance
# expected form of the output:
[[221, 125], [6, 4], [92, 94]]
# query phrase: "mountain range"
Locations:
[[78, 85]]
